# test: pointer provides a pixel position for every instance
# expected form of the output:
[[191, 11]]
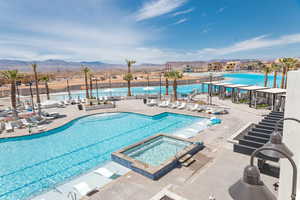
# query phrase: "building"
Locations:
[[291, 137]]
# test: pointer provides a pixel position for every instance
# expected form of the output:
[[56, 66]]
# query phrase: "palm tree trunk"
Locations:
[[86, 86], [47, 90], [38, 100], [167, 87], [282, 78], [129, 88], [69, 91], [13, 98], [175, 89], [275, 79], [266, 79], [91, 87], [285, 82]]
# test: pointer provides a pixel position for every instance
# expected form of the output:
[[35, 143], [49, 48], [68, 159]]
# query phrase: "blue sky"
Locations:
[[152, 31]]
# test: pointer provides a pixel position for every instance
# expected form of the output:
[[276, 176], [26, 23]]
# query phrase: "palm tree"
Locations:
[[12, 76], [91, 85], [129, 77], [38, 100], [275, 68], [175, 75], [287, 63], [86, 70], [166, 75], [266, 70], [46, 79]]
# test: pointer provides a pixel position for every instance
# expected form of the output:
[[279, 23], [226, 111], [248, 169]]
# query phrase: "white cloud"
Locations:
[[254, 43], [181, 21], [183, 12], [155, 8], [220, 10]]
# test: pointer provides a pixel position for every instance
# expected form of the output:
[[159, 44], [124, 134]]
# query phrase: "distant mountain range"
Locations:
[[61, 65]]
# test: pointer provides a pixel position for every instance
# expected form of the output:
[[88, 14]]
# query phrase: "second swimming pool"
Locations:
[[32, 164]]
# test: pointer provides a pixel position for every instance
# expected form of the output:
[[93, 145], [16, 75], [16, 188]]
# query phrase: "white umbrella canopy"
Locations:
[[50, 104], [148, 88], [108, 90]]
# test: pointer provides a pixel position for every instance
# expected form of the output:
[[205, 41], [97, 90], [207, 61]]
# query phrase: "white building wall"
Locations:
[[291, 136]]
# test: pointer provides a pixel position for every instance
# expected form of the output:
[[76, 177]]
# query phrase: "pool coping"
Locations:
[[154, 172], [87, 115]]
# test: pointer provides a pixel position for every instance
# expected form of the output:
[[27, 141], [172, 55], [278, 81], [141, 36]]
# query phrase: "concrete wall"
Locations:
[[291, 136]]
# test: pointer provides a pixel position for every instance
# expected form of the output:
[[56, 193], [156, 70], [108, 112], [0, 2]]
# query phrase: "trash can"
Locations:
[[145, 101], [80, 107]]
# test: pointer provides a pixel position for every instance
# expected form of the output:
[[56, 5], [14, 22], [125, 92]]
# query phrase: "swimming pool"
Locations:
[[240, 78], [157, 151], [32, 164], [157, 155]]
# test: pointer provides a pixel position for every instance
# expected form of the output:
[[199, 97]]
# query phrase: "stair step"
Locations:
[[270, 124], [261, 130], [276, 115], [250, 143], [277, 112], [249, 150], [258, 134], [185, 158], [271, 121], [188, 162], [256, 139], [272, 128], [243, 149], [273, 118]]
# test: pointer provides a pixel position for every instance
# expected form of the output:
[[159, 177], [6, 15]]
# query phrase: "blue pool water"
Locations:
[[157, 150], [238, 78], [32, 164]]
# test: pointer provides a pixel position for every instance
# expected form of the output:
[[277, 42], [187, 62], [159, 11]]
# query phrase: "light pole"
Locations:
[[31, 96], [251, 187], [160, 76], [97, 89]]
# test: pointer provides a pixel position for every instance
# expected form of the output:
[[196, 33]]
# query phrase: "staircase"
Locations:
[[186, 160], [259, 135]]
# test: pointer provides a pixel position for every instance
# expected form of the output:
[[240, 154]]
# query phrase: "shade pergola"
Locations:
[[235, 85], [220, 88], [211, 82], [232, 87], [275, 94], [273, 91], [252, 88]]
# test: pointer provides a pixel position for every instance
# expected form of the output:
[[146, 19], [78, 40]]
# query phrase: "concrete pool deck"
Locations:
[[191, 183]]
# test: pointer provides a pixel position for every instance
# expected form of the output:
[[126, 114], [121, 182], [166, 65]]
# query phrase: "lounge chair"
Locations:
[[163, 104], [8, 127], [25, 122], [220, 111], [38, 120], [182, 106], [193, 107], [106, 173], [174, 105], [83, 188], [152, 102]]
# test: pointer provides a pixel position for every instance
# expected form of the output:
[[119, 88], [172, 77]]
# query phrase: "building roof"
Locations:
[[273, 91], [235, 85], [212, 82], [252, 87], [220, 84]]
